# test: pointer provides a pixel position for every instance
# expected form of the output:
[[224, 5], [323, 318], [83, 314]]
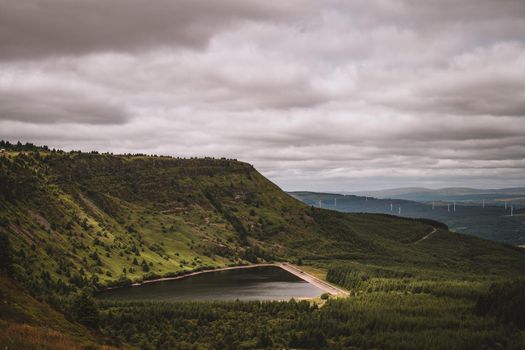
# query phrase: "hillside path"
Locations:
[[434, 230]]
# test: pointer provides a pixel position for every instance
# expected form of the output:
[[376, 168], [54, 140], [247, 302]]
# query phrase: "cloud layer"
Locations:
[[330, 95]]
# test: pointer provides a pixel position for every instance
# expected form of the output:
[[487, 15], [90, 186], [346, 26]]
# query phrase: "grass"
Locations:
[[314, 271], [23, 336], [27, 323]]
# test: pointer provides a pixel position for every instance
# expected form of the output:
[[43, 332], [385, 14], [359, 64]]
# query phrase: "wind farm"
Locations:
[[492, 219]]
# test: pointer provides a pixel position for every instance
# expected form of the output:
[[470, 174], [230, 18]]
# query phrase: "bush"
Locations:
[[5, 256], [505, 301], [84, 310]]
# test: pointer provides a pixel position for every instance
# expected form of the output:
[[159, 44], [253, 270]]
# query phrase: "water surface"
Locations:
[[258, 283]]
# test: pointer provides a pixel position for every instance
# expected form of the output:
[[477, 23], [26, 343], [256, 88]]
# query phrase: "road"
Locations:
[[434, 230], [327, 287]]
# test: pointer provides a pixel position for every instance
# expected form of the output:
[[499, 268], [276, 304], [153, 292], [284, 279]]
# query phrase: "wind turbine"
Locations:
[[391, 207], [483, 203], [399, 211], [511, 210], [448, 207], [454, 206]]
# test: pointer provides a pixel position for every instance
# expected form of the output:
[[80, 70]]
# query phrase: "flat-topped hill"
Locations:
[[79, 218]]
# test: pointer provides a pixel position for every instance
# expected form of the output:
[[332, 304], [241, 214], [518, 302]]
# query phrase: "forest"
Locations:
[[434, 317]]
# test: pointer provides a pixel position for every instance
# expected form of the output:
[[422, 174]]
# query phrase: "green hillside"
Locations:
[[88, 217], [77, 220], [27, 323]]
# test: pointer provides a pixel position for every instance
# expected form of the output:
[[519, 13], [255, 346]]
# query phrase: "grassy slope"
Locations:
[[178, 215], [27, 323], [184, 214]]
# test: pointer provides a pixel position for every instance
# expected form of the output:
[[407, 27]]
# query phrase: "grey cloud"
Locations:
[[429, 12], [36, 28], [496, 95], [464, 10], [328, 95], [45, 108], [480, 92]]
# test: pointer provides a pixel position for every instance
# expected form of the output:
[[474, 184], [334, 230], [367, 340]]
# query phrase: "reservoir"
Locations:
[[257, 283]]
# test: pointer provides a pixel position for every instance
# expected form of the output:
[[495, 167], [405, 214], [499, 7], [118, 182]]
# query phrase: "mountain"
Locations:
[[492, 222], [103, 218], [72, 222], [496, 196]]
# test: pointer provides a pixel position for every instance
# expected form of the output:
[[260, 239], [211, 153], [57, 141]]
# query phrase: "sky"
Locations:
[[317, 95]]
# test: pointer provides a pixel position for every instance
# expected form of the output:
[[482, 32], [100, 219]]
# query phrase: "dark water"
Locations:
[[258, 283]]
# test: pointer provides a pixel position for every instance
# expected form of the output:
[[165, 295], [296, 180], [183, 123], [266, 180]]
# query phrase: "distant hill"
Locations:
[[494, 196], [491, 222]]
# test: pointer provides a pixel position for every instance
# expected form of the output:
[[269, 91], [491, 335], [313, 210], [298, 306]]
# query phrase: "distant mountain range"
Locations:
[[463, 194], [492, 221]]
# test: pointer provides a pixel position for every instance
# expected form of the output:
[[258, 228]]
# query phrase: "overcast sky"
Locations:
[[318, 95]]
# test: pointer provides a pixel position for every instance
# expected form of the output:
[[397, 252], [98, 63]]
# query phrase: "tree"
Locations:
[[84, 310], [5, 256], [505, 301]]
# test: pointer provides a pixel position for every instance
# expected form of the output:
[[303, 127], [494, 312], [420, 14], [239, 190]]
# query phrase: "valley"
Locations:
[[258, 175], [73, 224]]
